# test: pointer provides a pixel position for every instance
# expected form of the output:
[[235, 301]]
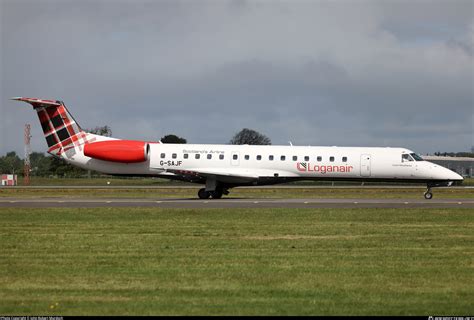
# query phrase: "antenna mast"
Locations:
[[27, 164]]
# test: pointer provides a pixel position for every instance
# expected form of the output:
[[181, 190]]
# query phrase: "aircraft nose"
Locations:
[[451, 175], [456, 177], [442, 173]]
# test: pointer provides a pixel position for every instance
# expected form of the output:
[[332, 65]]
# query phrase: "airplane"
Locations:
[[222, 167]]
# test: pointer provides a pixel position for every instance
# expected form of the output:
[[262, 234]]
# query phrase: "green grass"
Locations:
[[114, 181], [302, 193], [236, 261]]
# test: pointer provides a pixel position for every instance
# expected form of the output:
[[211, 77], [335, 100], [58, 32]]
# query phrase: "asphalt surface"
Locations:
[[234, 203]]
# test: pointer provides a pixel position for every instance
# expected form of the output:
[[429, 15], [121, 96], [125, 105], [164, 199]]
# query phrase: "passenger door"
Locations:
[[365, 165]]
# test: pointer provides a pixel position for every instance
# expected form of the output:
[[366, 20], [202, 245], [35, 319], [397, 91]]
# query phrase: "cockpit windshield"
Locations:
[[411, 157], [416, 157]]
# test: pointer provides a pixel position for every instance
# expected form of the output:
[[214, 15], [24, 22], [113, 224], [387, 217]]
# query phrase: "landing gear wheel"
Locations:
[[216, 194], [203, 194], [428, 195]]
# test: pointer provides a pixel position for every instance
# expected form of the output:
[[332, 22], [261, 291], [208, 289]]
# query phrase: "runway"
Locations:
[[234, 203]]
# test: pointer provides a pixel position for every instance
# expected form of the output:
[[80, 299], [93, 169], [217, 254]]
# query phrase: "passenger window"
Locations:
[[295, 158], [173, 156], [259, 157], [344, 159], [185, 156], [306, 158], [247, 157], [163, 156], [331, 159], [270, 158], [209, 156], [197, 156], [221, 157], [235, 157], [320, 158], [282, 158]]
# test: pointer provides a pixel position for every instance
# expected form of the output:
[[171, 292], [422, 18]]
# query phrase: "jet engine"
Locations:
[[124, 151]]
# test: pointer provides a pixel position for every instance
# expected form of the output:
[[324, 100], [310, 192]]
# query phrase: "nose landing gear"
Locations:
[[428, 195], [429, 185]]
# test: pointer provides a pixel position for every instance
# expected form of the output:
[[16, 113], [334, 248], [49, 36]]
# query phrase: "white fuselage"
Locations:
[[249, 164]]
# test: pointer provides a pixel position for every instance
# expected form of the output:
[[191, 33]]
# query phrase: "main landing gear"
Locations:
[[203, 194], [215, 194]]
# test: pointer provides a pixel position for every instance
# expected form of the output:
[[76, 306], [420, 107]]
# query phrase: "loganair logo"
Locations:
[[308, 167], [301, 166]]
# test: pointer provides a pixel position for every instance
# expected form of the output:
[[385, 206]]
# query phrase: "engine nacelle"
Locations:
[[124, 151]]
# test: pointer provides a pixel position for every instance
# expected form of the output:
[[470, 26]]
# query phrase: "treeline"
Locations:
[[455, 154], [41, 166]]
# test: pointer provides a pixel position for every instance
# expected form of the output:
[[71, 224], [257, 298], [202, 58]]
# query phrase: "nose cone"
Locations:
[[455, 176], [446, 174]]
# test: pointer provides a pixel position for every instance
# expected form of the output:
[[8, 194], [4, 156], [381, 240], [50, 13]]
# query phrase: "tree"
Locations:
[[59, 167], [171, 138], [40, 164], [101, 131], [11, 163], [249, 136]]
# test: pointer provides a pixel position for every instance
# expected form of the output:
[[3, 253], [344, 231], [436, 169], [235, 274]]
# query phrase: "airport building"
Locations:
[[461, 165], [8, 180]]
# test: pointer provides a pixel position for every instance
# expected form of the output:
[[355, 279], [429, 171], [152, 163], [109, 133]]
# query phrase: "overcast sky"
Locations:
[[345, 73]]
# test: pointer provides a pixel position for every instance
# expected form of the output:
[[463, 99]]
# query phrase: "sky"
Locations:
[[328, 73]]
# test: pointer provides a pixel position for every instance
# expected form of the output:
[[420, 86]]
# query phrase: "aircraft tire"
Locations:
[[216, 194], [203, 194]]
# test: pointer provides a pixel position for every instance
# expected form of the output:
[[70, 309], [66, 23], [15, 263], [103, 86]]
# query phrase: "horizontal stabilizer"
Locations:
[[38, 103]]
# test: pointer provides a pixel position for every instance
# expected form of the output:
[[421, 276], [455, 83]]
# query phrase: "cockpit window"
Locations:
[[416, 157], [406, 157]]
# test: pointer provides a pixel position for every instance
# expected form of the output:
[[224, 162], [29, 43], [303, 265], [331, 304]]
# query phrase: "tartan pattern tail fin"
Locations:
[[60, 129]]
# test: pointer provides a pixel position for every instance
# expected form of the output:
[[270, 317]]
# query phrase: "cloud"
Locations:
[[316, 73]]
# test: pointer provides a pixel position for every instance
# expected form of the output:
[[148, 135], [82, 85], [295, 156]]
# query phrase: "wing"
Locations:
[[231, 175]]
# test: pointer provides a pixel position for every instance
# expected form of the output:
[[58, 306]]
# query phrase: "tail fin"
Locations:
[[60, 129]]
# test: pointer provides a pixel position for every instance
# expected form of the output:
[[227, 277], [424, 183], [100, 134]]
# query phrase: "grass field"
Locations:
[[236, 262], [302, 193], [114, 181]]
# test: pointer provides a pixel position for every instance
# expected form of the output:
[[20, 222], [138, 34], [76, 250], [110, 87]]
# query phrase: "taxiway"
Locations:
[[234, 203]]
